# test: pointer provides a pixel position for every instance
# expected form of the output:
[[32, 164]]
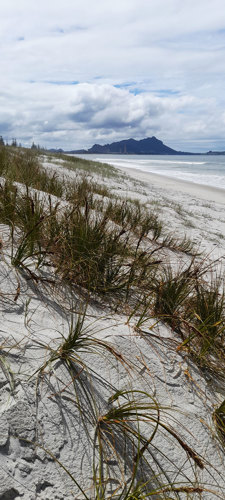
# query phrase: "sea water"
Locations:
[[206, 170]]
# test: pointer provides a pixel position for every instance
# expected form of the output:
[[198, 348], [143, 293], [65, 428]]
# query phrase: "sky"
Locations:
[[77, 72]]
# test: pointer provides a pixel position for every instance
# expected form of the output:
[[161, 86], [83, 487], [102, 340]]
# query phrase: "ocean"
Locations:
[[205, 170]]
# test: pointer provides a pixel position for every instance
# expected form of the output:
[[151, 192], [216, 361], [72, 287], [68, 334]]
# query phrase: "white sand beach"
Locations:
[[203, 192], [51, 428]]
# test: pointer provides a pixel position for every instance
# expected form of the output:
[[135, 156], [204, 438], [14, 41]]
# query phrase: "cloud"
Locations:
[[76, 116], [112, 70]]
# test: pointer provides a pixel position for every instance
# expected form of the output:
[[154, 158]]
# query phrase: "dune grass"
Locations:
[[171, 291], [80, 340], [219, 418], [209, 312], [111, 249], [119, 436], [90, 167], [130, 411], [83, 190], [23, 166]]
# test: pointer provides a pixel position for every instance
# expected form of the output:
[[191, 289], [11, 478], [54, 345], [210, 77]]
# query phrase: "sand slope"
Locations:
[[49, 417]]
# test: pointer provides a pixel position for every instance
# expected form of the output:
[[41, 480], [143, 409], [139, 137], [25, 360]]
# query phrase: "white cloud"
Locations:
[[76, 116], [172, 51]]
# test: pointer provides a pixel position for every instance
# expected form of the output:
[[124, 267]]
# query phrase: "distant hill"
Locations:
[[148, 146], [216, 153]]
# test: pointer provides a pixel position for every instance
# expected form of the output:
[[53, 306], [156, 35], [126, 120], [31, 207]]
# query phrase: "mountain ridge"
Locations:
[[149, 145]]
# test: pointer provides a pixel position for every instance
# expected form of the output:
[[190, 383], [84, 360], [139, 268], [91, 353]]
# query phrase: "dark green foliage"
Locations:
[[29, 218], [208, 308], [3, 159], [8, 203], [88, 253], [171, 292]]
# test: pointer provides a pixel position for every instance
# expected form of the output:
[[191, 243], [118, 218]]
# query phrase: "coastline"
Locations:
[[176, 185]]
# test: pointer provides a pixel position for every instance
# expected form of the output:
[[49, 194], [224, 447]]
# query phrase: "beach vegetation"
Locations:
[[76, 163], [205, 326], [23, 166], [113, 252], [80, 339], [171, 291], [120, 431], [219, 419], [183, 245]]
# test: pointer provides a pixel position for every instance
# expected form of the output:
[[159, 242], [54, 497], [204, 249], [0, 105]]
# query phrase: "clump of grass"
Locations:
[[135, 217], [123, 421], [4, 159], [90, 252], [189, 223], [87, 253], [83, 190], [183, 245], [204, 327], [28, 247], [26, 214], [91, 167], [8, 207], [209, 312], [87, 249], [171, 292], [22, 165], [79, 341], [194, 310], [219, 419]]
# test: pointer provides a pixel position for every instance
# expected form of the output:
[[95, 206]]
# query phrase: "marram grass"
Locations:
[[106, 248]]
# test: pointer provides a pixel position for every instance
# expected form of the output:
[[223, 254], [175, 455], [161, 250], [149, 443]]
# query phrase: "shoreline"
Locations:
[[201, 191]]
